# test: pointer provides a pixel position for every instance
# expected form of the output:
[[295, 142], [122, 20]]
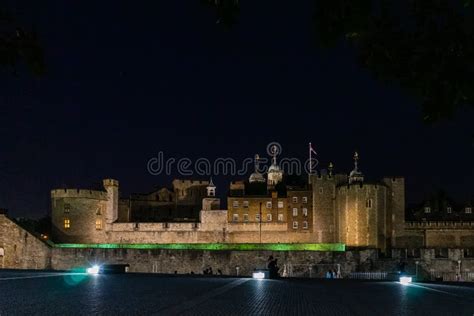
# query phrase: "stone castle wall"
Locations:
[[20, 249], [362, 215], [324, 208], [82, 209], [437, 234]]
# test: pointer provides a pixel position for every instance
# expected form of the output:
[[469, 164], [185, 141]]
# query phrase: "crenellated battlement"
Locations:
[[110, 183], [439, 225], [78, 193], [323, 177], [360, 186]]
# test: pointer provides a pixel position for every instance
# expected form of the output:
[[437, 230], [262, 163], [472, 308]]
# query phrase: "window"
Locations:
[[295, 211], [98, 224], [449, 209], [441, 253], [67, 223], [99, 211], [320, 190], [280, 217], [246, 217], [295, 225], [368, 203], [235, 217], [305, 212], [67, 208], [269, 204], [305, 199], [305, 225], [280, 204], [269, 217], [257, 217], [468, 252], [413, 253], [427, 209], [246, 204], [235, 204], [468, 210], [295, 199]]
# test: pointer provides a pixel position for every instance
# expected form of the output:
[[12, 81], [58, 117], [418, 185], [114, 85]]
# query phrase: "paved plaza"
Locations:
[[52, 293]]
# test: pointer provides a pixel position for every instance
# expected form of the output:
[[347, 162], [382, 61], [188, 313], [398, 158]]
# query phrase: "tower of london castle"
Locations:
[[327, 208]]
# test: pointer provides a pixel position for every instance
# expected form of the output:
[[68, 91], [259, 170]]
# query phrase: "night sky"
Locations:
[[128, 79]]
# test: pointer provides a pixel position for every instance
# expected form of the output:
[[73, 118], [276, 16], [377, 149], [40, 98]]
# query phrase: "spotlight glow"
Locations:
[[258, 275], [405, 280], [93, 270]]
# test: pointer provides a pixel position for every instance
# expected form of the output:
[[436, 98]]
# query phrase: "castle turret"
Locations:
[[256, 176], [211, 189], [211, 202], [356, 175], [112, 187], [275, 174]]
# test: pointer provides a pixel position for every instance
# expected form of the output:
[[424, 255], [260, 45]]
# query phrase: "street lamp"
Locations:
[[416, 269], [260, 222], [459, 270]]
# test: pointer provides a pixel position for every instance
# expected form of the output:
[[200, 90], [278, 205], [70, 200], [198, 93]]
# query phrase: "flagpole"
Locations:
[[310, 164]]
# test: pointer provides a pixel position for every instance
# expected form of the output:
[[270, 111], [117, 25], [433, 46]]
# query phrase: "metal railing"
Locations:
[[452, 276], [369, 275]]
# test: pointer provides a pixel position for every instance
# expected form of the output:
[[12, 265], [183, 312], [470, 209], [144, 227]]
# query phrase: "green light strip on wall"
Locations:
[[214, 246]]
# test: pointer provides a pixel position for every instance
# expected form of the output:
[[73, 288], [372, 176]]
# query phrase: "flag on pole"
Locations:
[[311, 150]]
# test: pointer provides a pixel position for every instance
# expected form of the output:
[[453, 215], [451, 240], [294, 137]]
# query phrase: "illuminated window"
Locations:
[[246, 204], [269, 217], [449, 209], [295, 199], [257, 217], [235, 217], [368, 203], [305, 199], [235, 204], [67, 208], [305, 212], [246, 217], [269, 204], [295, 225], [305, 225], [98, 224], [67, 223], [295, 211], [280, 217], [468, 210], [427, 209], [280, 204]]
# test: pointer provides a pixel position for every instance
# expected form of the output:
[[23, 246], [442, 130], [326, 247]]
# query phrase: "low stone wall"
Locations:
[[229, 262], [242, 263]]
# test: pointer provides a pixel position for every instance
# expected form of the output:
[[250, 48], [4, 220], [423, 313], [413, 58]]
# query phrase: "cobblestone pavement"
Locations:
[[35, 293]]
